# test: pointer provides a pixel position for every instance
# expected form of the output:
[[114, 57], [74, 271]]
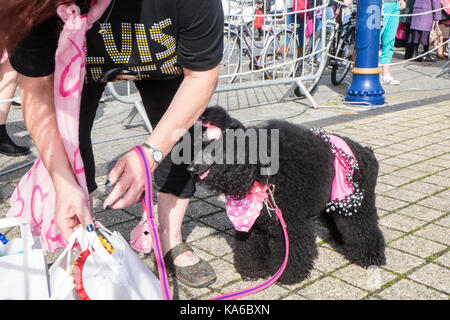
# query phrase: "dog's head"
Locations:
[[221, 165]]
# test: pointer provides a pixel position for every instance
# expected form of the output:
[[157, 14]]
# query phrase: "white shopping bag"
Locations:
[[117, 276], [23, 267]]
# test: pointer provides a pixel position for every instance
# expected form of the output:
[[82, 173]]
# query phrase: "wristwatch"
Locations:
[[156, 154]]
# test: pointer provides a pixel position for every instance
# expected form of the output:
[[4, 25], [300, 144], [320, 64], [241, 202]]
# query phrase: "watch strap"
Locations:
[[152, 150]]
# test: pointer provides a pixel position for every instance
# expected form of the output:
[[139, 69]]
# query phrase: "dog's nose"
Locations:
[[190, 168]]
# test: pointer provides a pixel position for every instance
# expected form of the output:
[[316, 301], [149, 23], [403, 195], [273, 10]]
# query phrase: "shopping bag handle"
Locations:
[[25, 230]]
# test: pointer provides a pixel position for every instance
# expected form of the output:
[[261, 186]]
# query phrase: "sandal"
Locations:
[[198, 275]]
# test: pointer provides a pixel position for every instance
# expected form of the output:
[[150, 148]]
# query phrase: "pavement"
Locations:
[[410, 136]]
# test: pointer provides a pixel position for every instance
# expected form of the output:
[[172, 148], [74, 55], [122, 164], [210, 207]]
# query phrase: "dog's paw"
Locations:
[[249, 278], [365, 258]]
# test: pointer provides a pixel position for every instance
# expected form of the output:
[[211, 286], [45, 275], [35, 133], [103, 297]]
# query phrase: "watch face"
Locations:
[[157, 155]]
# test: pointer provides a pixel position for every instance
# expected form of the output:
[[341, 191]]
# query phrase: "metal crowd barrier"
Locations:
[[273, 54]]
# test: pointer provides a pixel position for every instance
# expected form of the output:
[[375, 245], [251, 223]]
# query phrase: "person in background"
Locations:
[[409, 47], [444, 25], [391, 9], [8, 85], [421, 26]]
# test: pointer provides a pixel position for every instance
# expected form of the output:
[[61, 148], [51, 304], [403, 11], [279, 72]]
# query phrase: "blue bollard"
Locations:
[[366, 87]]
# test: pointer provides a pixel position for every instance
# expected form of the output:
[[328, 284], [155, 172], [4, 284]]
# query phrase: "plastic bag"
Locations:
[[23, 267], [91, 272]]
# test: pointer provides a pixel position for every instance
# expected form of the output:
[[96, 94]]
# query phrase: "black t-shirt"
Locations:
[[154, 38]]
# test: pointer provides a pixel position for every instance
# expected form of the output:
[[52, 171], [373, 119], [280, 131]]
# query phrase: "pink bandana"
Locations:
[[34, 197], [243, 213]]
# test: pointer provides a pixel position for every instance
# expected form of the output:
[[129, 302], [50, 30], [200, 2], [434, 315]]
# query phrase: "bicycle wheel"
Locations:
[[279, 55], [231, 60], [342, 66]]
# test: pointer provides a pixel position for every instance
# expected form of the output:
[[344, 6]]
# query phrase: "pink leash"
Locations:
[[147, 203]]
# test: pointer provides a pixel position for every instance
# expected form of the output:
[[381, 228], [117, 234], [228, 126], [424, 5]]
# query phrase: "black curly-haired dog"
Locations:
[[302, 191]]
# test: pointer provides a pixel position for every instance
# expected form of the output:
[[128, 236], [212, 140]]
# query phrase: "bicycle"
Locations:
[[277, 49], [342, 48]]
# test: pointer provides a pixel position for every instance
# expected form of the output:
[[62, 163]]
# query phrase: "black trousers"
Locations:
[[156, 96]]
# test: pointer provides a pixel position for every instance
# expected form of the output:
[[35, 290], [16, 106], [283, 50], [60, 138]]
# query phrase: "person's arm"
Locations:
[[199, 52], [188, 104], [40, 118]]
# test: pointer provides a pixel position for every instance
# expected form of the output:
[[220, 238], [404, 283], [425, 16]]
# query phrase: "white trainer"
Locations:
[[388, 79]]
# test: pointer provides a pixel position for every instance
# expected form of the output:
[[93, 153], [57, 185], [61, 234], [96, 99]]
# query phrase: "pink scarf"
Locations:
[[34, 197]]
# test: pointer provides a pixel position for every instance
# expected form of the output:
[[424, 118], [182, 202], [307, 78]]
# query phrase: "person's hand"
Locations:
[[128, 178], [71, 209], [402, 4]]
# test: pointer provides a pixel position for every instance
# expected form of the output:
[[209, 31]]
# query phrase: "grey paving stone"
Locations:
[[390, 234], [399, 222], [434, 276], [332, 289], [225, 272], [405, 194], [445, 222], [409, 173], [112, 217], [313, 275], [273, 292], [217, 244], [437, 180], [417, 246], [328, 260], [400, 262], [399, 162], [421, 213], [201, 208], [218, 220], [409, 290], [393, 180], [368, 279], [422, 187], [436, 233], [194, 230], [295, 296], [445, 173], [389, 204], [444, 259]]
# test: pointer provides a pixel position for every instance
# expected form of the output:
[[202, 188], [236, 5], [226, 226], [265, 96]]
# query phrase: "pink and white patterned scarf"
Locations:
[[34, 197]]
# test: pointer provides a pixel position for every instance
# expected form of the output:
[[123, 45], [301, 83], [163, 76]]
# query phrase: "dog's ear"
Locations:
[[219, 117]]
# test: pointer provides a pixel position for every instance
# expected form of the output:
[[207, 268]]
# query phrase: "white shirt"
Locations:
[[289, 4]]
